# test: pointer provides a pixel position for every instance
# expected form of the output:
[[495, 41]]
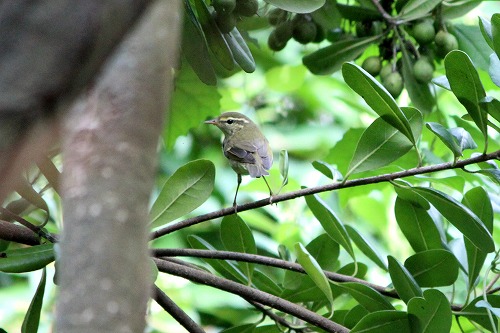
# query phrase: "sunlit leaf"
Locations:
[[433, 268], [446, 137], [377, 97], [190, 97], [358, 13], [185, 190], [430, 313], [382, 144], [327, 170], [495, 32], [315, 272], [494, 69], [485, 26]]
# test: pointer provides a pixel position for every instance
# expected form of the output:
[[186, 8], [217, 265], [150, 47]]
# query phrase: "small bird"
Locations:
[[244, 145]]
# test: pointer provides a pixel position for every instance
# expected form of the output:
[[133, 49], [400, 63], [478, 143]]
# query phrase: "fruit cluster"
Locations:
[[431, 45], [227, 12], [300, 27]]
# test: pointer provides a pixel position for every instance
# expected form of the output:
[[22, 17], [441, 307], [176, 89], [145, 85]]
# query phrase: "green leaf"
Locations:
[[366, 247], [237, 237], [461, 217], [433, 268], [403, 281], [420, 93], [480, 314], [265, 283], [467, 87], [446, 137], [377, 97], [245, 328], [329, 59], [189, 187], [455, 9], [341, 154], [382, 144], [32, 318], [495, 32], [415, 9], [430, 313], [223, 267], [330, 222], [325, 250], [194, 47], [327, 170], [27, 259], [492, 105], [417, 226], [478, 201], [240, 51], [358, 13], [464, 139], [485, 27], [190, 97], [216, 42], [406, 192], [472, 42], [284, 166], [383, 322], [494, 70], [366, 296], [314, 271], [484, 304], [297, 6]]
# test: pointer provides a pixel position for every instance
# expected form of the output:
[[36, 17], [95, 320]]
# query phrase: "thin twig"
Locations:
[[250, 294], [329, 187], [274, 262], [175, 311]]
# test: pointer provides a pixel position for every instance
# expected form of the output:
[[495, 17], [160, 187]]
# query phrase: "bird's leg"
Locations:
[[270, 191], [236, 194]]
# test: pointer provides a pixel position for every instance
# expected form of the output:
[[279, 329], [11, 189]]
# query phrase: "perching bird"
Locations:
[[244, 145]]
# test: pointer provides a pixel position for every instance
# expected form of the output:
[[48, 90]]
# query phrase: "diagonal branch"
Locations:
[[175, 311], [250, 294], [325, 188]]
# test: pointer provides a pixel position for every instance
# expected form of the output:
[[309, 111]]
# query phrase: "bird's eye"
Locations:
[[229, 121]]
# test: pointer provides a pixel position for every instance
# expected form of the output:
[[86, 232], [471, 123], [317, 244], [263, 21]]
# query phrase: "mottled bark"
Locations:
[[110, 143]]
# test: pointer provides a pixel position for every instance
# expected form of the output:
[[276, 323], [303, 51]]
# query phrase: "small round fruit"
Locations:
[[225, 22], [275, 43], [372, 65], [305, 32], [320, 34], [386, 70], [334, 35], [224, 6], [283, 31], [276, 16], [445, 42], [423, 70], [247, 7], [393, 83], [424, 32]]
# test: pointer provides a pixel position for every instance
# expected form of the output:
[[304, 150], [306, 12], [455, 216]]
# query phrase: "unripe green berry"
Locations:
[[386, 70], [246, 7], [305, 32], [224, 6], [393, 83], [225, 22], [276, 16], [283, 31], [424, 32], [445, 42], [372, 65], [423, 70], [275, 43]]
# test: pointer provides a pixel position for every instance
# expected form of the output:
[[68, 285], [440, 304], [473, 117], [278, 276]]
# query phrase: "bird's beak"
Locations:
[[211, 121]]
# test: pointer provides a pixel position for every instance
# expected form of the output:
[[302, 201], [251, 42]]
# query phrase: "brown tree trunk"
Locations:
[[110, 143]]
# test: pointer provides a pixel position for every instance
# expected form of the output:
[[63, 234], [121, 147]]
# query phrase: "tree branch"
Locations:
[[263, 260], [325, 188], [175, 311], [250, 294]]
